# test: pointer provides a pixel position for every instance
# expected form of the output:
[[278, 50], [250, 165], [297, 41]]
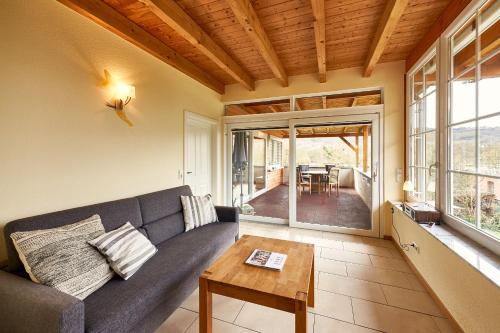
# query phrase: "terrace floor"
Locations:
[[363, 285], [346, 210]]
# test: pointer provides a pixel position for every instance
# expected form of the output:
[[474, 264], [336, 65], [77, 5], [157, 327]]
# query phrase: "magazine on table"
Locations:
[[267, 259]]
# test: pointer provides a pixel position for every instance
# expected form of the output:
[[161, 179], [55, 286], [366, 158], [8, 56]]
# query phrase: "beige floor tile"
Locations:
[[379, 275], [323, 242], [378, 242], [330, 266], [328, 325], [411, 300], [415, 282], [332, 305], [351, 287], [348, 256], [223, 308], [390, 263], [444, 325], [178, 322], [368, 249], [390, 319], [342, 237], [218, 326], [267, 320]]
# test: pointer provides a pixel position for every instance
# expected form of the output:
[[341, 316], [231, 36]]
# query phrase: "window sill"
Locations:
[[479, 257]]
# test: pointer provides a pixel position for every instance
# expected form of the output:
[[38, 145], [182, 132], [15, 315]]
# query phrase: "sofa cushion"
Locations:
[[198, 211], [120, 305], [125, 248], [113, 214], [162, 213], [61, 257]]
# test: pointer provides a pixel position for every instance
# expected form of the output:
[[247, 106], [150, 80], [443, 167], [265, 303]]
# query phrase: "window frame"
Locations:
[[444, 103], [432, 52]]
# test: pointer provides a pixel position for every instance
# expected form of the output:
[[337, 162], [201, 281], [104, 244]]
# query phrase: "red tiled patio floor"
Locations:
[[346, 210]]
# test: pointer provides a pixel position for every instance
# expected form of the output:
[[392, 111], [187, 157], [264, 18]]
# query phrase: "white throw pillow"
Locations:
[[198, 211], [61, 257], [125, 248]]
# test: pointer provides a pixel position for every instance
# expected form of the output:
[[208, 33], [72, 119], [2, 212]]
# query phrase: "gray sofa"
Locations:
[[139, 304]]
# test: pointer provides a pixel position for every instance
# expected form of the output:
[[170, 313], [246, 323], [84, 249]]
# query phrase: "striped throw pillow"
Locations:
[[125, 248], [61, 257], [198, 211]]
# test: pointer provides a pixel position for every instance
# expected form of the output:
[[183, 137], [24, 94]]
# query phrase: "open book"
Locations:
[[267, 259]]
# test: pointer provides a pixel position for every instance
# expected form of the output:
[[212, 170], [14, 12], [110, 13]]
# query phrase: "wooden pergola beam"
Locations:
[[274, 108], [355, 149], [324, 135], [246, 15], [318, 7], [110, 19], [174, 16], [390, 18]]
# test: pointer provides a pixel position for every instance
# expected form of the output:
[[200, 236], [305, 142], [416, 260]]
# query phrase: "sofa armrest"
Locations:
[[227, 214], [26, 306]]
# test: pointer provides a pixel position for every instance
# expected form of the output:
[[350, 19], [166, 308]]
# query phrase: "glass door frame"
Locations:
[[248, 126], [372, 113], [376, 175]]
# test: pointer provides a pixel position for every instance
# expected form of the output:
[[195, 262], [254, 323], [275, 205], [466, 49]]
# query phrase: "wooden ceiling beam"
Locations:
[[110, 19], [246, 15], [318, 7], [174, 16], [354, 101], [390, 18], [323, 135], [323, 102]]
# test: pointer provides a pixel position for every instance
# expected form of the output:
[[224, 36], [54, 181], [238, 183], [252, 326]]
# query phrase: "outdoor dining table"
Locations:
[[317, 174]]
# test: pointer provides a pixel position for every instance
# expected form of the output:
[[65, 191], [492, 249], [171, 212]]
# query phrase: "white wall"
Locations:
[[60, 147]]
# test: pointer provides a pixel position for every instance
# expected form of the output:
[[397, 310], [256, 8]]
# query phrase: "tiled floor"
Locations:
[[346, 210], [362, 285]]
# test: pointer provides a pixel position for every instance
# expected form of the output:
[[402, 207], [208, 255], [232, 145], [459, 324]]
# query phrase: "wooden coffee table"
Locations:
[[290, 290]]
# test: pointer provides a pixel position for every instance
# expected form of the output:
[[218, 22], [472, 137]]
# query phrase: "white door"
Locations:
[[198, 156]]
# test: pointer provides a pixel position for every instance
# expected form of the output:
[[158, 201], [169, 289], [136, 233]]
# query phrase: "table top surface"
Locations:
[[230, 269], [315, 172]]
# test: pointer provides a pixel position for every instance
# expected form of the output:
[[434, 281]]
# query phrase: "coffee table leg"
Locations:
[[205, 307], [310, 294], [301, 314]]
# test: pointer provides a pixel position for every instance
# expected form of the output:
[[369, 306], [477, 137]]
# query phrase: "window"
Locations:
[[422, 132], [473, 164], [275, 152]]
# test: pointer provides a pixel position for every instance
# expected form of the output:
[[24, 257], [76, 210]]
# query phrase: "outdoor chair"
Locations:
[[302, 182], [333, 180]]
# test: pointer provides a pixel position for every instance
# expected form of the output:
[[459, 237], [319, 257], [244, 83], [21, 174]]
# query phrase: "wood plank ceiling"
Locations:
[[243, 41]]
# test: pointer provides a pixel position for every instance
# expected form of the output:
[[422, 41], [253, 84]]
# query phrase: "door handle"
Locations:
[[189, 172]]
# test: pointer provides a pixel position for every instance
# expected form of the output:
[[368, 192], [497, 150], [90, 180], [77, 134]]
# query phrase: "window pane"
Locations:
[[490, 25], [430, 149], [463, 103], [490, 205], [463, 194], [420, 183], [430, 76], [417, 159], [489, 146], [489, 86], [414, 119], [418, 85], [430, 111], [464, 48], [463, 147], [430, 186]]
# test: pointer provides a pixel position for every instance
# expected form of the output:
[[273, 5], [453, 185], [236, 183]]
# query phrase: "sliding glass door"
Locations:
[[315, 173], [336, 185]]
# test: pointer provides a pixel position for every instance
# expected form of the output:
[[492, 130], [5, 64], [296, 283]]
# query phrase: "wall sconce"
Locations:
[[121, 94]]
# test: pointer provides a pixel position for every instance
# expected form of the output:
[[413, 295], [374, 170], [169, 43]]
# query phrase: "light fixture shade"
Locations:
[[123, 91], [408, 186]]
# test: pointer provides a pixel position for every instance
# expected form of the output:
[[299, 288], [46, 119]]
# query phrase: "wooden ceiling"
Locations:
[[306, 103], [220, 42], [336, 131]]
